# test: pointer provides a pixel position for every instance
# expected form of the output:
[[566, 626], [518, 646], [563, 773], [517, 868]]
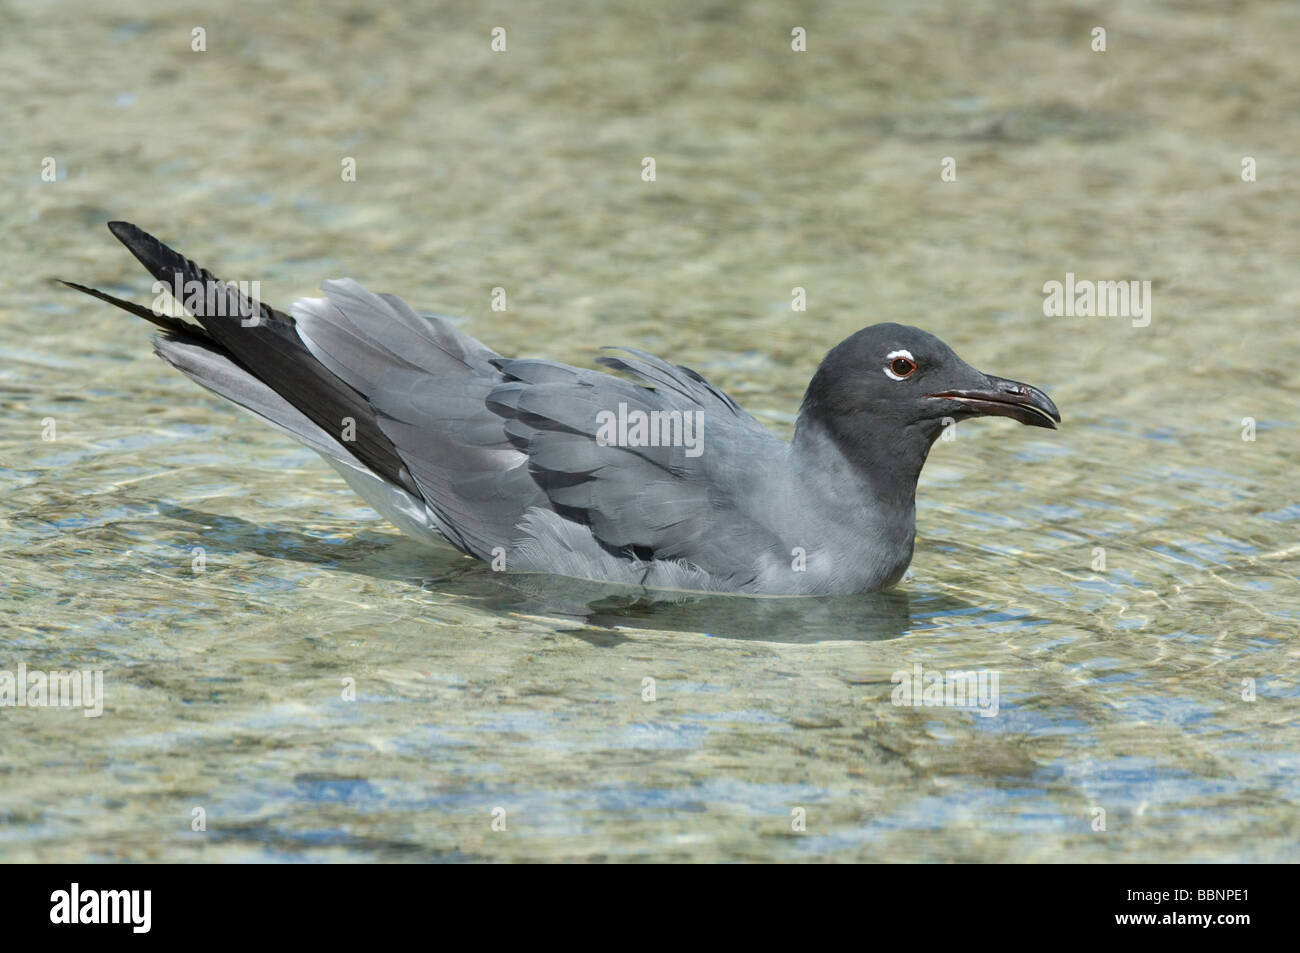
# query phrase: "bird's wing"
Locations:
[[658, 373], [260, 340], [687, 500], [487, 438], [426, 382]]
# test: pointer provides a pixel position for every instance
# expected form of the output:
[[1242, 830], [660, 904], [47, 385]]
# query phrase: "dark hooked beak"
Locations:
[[1003, 398]]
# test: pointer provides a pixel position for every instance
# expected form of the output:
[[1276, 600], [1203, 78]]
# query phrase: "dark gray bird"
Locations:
[[541, 467]]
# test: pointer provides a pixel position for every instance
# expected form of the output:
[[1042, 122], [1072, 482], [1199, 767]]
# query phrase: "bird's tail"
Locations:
[[251, 354]]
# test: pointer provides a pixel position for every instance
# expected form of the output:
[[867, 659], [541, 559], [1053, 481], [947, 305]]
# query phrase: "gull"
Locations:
[[657, 478]]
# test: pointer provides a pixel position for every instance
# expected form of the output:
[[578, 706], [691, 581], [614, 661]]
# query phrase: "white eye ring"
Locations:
[[889, 359]]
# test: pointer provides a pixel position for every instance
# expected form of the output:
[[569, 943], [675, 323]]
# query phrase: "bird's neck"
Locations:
[[859, 492], [881, 464]]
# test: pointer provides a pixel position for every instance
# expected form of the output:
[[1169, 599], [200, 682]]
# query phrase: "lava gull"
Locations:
[[535, 466]]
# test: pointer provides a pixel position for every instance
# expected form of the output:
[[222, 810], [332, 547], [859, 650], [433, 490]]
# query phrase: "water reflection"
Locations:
[[604, 607]]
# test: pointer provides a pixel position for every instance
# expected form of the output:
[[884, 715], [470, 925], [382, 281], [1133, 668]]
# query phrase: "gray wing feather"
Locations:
[[211, 368], [489, 440], [683, 380]]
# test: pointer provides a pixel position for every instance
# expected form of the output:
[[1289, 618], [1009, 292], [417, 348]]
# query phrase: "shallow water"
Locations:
[[1120, 688]]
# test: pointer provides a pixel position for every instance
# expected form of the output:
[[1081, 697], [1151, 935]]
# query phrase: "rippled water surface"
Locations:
[[1129, 578]]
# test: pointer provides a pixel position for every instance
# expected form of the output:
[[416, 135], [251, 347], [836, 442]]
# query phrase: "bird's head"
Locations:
[[894, 383]]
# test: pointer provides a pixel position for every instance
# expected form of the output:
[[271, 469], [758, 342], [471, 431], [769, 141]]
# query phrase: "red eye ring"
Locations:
[[902, 367]]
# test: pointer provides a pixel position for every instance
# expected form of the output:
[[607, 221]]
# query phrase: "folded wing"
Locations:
[[499, 448]]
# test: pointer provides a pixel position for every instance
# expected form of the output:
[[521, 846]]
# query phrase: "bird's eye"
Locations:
[[899, 364]]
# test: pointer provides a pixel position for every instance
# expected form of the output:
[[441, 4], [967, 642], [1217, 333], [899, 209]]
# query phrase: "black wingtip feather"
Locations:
[[269, 350], [164, 321], [143, 246]]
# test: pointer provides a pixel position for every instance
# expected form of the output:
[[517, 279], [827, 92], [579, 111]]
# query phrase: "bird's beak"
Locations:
[[1003, 398]]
